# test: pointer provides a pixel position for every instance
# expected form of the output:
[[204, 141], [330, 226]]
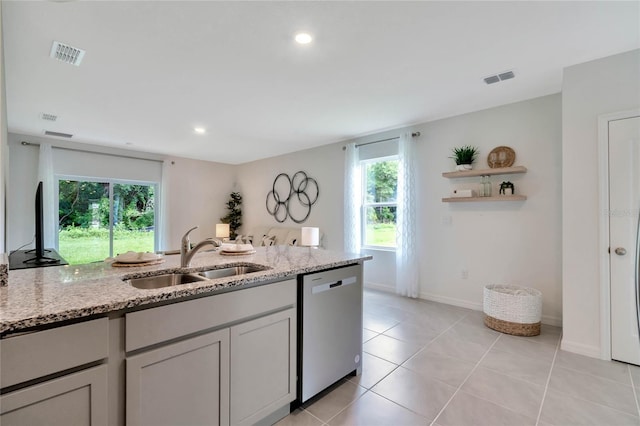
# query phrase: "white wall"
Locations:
[[198, 190], [496, 242], [325, 164], [506, 242], [4, 150], [198, 194], [602, 86]]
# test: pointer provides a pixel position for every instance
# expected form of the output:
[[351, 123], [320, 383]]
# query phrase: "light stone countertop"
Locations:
[[42, 296]]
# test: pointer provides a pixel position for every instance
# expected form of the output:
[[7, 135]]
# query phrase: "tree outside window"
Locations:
[[98, 219], [379, 206]]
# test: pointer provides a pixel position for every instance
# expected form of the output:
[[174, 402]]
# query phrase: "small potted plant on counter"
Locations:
[[464, 157]]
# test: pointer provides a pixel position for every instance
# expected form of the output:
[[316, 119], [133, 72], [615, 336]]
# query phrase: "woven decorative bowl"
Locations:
[[513, 309]]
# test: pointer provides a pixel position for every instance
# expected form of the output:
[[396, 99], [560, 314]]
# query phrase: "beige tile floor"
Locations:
[[427, 363]]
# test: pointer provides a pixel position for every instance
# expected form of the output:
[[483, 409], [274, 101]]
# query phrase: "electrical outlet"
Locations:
[[464, 274]]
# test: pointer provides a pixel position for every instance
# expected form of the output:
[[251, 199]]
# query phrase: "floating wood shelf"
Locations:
[[496, 198], [486, 172]]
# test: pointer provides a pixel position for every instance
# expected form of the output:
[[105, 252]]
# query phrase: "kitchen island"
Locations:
[[83, 340]]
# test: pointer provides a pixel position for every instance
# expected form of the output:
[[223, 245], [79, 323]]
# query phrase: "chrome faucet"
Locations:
[[187, 253]]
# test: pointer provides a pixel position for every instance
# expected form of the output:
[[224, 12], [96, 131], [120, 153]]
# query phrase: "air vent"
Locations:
[[65, 53], [57, 134], [48, 117], [507, 75], [492, 79]]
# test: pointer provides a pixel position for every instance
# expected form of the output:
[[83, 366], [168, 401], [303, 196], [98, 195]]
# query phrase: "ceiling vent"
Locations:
[[57, 134], [48, 117], [507, 75], [492, 79], [65, 53]]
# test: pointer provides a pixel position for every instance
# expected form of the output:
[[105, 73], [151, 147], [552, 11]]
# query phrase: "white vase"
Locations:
[[464, 167]]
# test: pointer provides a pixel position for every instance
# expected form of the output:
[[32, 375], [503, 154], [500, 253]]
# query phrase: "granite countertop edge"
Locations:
[[43, 296]]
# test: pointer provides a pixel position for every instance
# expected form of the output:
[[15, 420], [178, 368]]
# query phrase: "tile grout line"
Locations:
[[633, 387], [315, 417], [465, 380], [396, 367], [434, 339], [546, 386], [347, 406], [596, 376], [398, 404]]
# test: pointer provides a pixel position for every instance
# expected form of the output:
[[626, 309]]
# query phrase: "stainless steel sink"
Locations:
[[165, 280], [168, 280], [229, 272]]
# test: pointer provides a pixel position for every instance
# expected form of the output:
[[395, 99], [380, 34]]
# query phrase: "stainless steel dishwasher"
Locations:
[[330, 328]]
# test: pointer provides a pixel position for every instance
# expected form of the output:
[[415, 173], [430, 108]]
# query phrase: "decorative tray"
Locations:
[[236, 253], [501, 156]]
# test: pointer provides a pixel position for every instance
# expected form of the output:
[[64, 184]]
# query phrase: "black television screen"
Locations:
[[39, 223], [40, 258]]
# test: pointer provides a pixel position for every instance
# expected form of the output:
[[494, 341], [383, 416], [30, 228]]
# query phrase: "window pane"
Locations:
[[83, 220], [380, 225], [133, 218], [381, 181]]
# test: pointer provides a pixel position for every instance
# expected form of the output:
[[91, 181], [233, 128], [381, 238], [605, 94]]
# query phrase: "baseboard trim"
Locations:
[[451, 301], [549, 320], [581, 349], [379, 287], [546, 319]]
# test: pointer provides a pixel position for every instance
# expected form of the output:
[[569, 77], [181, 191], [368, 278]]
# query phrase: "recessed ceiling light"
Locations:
[[303, 38], [199, 130]]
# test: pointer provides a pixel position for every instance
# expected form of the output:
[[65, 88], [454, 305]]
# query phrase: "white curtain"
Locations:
[[45, 175], [407, 283], [352, 199], [163, 216]]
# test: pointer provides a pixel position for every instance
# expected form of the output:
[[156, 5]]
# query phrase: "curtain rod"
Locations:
[[25, 143], [414, 135]]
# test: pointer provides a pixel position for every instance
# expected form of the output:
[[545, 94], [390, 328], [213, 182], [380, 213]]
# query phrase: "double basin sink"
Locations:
[[177, 278]]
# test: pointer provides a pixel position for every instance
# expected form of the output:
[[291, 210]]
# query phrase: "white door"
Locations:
[[624, 209]]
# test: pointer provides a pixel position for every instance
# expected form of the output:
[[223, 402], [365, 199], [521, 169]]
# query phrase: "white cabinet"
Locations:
[[228, 358], [77, 399], [219, 360], [31, 356], [181, 383], [263, 367]]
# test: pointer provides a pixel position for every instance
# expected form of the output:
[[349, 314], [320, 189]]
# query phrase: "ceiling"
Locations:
[[154, 70]]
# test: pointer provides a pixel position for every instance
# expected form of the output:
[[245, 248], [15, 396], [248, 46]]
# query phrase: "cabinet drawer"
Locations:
[[156, 325], [46, 352], [76, 399]]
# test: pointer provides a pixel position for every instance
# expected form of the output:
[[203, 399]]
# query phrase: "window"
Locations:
[[102, 218], [379, 204]]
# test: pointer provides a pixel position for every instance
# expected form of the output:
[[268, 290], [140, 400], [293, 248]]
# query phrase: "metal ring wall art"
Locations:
[[292, 197]]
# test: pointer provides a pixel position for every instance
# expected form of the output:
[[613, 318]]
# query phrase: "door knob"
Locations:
[[621, 251]]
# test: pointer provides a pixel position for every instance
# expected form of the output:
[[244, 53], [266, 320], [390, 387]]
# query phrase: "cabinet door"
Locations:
[[75, 399], [263, 366], [184, 383]]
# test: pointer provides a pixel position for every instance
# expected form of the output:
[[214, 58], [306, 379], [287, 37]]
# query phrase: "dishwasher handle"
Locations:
[[320, 288]]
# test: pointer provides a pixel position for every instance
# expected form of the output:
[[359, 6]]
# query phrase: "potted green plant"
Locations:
[[464, 157], [234, 217]]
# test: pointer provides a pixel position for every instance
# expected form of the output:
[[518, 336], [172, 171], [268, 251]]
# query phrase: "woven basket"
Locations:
[[513, 309]]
